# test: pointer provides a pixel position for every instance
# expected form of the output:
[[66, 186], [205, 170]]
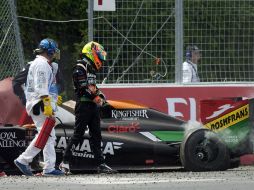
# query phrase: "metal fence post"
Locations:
[[178, 40], [90, 20]]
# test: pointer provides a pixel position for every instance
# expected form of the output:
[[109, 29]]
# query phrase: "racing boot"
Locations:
[[53, 173], [104, 168], [23, 168], [65, 167]]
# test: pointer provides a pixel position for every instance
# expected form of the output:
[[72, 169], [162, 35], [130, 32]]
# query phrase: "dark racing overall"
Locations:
[[88, 100]]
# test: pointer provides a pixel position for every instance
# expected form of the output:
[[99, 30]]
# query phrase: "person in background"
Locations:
[[19, 82], [190, 70], [88, 100], [39, 106]]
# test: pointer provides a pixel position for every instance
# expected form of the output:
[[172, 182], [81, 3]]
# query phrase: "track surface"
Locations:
[[240, 178]]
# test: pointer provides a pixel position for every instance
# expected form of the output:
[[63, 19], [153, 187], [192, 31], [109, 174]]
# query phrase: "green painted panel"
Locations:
[[169, 135], [236, 134]]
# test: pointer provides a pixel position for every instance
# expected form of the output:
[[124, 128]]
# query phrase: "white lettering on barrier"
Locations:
[[190, 104]]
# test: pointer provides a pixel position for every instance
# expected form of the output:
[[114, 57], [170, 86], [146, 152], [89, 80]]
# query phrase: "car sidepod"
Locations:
[[132, 139]]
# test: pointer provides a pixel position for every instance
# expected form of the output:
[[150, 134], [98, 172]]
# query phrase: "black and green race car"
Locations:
[[136, 137]]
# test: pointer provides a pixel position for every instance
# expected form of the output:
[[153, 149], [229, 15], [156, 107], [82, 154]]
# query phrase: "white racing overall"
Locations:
[[39, 80]]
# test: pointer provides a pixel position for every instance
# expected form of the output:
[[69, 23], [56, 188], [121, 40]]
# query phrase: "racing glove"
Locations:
[[59, 100], [48, 111], [92, 89], [98, 100]]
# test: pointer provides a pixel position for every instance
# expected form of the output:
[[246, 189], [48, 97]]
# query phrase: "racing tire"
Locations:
[[203, 150], [234, 163]]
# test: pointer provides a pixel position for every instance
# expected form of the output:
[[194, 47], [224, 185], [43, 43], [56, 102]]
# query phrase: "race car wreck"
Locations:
[[133, 143], [136, 137]]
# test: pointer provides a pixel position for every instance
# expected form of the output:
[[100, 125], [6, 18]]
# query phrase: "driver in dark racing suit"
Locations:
[[88, 100]]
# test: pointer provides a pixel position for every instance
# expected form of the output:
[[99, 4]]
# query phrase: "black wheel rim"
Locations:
[[206, 151]]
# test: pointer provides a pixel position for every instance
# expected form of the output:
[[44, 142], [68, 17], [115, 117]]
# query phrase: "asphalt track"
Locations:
[[241, 178]]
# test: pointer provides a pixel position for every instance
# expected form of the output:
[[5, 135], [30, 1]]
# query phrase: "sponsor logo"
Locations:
[[129, 114], [41, 77], [84, 149], [220, 110], [9, 139], [229, 119], [91, 78], [132, 127], [149, 161], [231, 139]]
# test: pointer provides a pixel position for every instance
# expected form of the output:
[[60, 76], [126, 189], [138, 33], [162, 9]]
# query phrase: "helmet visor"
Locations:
[[101, 53]]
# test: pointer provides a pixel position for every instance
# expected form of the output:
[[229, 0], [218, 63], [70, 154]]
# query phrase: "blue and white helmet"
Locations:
[[48, 45]]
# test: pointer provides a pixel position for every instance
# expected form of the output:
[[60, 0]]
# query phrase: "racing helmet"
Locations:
[[96, 53], [49, 46]]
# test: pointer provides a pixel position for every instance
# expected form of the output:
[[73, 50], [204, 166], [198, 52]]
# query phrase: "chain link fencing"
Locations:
[[140, 38], [11, 53]]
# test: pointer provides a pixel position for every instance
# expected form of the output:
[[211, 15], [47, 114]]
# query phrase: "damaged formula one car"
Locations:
[[136, 137]]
